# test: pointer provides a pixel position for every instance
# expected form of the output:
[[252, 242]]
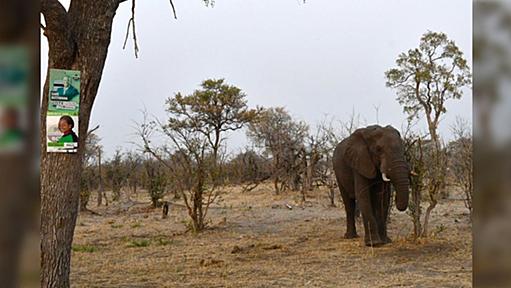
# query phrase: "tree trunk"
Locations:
[[331, 195], [416, 209], [84, 199], [430, 208], [78, 40], [276, 185], [309, 177], [116, 190]]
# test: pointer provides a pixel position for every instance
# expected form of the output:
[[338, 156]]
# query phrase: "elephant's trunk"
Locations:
[[401, 181]]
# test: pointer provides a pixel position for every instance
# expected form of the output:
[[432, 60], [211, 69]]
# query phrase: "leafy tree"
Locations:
[[156, 181], [427, 76], [211, 111], [194, 128], [424, 79]]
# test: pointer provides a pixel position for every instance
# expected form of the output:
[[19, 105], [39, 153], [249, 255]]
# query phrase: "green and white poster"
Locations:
[[63, 109]]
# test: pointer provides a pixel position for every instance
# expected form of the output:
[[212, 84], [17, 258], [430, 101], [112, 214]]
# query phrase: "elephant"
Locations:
[[365, 164]]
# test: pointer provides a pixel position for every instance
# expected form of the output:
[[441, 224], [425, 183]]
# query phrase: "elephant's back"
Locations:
[[338, 152]]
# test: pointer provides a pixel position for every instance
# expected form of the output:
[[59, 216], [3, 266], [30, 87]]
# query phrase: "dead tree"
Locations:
[[282, 138], [328, 134], [460, 158], [89, 177], [165, 210], [249, 169]]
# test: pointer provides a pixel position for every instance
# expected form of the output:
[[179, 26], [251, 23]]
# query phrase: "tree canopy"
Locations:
[[429, 75], [215, 108]]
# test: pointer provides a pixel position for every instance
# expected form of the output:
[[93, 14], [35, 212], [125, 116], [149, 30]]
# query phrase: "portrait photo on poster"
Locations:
[[63, 111]]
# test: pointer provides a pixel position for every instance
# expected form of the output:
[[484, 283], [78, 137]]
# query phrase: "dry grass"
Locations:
[[256, 241]]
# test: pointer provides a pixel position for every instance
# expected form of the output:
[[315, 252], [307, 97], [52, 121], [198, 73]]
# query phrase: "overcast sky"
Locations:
[[320, 58]]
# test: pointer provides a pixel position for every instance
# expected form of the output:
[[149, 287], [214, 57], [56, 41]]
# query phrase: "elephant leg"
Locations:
[[386, 210], [346, 190], [349, 206], [365, 203], [380, 195]]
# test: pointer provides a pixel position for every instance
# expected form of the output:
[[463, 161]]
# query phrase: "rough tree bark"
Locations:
[[78, 39]]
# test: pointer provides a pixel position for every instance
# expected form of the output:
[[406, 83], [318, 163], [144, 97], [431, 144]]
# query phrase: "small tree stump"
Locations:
[[165, 210]]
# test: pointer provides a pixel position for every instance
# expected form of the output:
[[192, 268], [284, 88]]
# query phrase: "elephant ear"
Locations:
[[358, 157]]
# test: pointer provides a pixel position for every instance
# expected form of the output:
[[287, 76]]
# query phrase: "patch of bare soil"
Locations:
[[259, 239]]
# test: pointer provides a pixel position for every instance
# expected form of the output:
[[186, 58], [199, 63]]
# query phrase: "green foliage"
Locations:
[[427, 76], [84, 248], [157, 181], [164, 241], [275, 128], [440, 229], [212, 110], [137, 243]]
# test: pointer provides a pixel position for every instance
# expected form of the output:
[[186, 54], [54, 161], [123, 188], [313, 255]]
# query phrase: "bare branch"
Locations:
[[173, 9], [92, 131], [127, 34], [131, 22], [53, 12]]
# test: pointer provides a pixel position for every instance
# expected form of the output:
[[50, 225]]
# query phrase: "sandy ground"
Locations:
[[254, 240]]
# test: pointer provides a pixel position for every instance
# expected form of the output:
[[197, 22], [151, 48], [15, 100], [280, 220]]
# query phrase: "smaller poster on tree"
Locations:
[[63, 111]]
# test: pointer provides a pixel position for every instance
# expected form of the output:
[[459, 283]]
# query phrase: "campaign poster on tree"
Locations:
[[63, 109]]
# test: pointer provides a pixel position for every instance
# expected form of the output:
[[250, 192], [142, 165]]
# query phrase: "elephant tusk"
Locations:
[[385, 177], [413, 173]]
